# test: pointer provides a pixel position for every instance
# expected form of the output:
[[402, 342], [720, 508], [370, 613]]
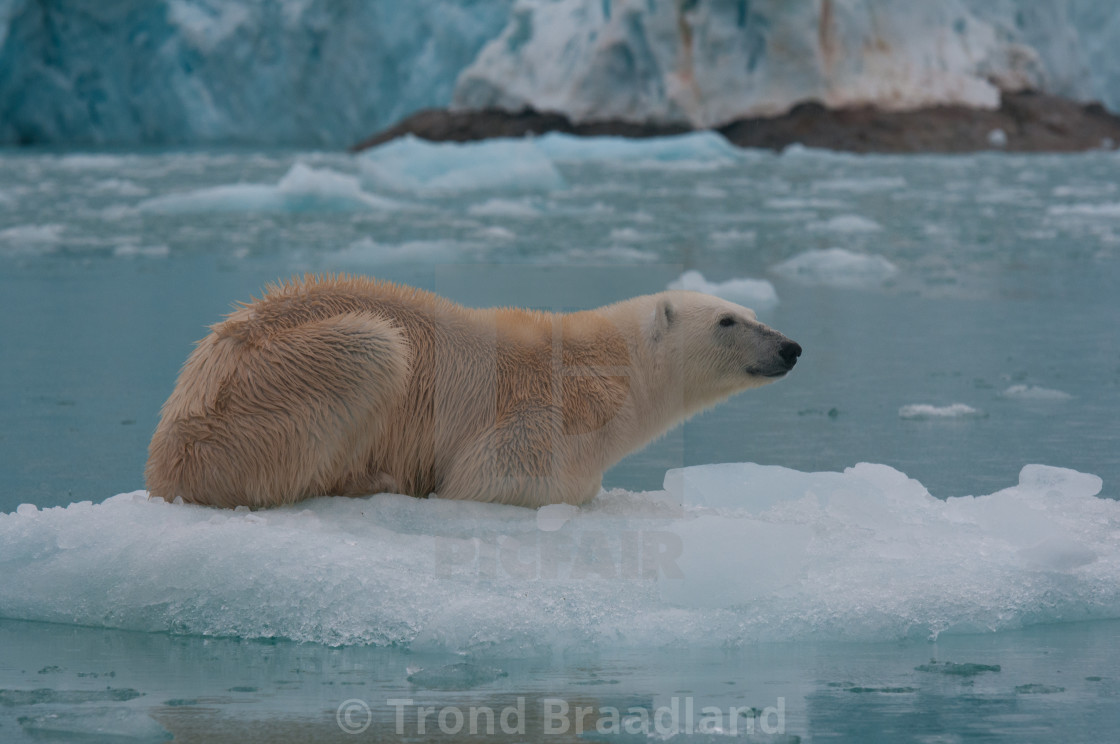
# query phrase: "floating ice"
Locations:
[[119, 187], [837, 267], [412, 164], [801, 203], [93, 724], [706, 149], [463, 675], [1034, 392], [25, 239], [757, 294], [504, 208], [723, 239], [494, 232], [865, 185], [849, 223], [608, 254], [728, 554], [128, 250], [369, 252], [927, 411], [627, 235], [302, 189], [1085, 210]]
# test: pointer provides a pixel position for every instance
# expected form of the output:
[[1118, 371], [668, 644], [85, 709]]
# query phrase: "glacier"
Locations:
[[264, 72], [318, 73], [707, 62]]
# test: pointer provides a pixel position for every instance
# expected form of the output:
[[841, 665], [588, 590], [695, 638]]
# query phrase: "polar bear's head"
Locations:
[[715, 347]]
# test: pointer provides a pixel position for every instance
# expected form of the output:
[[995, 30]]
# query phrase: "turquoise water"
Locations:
[[1002, 299]]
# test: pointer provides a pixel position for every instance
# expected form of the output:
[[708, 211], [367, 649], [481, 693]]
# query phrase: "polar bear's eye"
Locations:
[[727, 321]]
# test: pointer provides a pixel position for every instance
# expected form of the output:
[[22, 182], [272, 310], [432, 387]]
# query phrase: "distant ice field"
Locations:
[[959, 320], [921, 288]]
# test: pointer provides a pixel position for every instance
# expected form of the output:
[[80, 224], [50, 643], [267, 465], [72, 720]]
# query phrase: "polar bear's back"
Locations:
[[287, 396]]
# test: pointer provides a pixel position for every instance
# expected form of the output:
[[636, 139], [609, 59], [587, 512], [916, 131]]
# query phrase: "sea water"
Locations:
[[959, 321]]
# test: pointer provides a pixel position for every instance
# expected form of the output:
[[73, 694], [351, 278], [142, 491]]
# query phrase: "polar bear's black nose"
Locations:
[[789, 351]]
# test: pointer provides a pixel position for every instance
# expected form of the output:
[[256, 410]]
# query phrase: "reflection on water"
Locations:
[[1025, 686]]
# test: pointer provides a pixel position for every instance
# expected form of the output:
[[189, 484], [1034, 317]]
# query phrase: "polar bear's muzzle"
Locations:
[[788, 351], [782, 360]]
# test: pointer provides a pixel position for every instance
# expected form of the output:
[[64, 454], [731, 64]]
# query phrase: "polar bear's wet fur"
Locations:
[[351, 386]]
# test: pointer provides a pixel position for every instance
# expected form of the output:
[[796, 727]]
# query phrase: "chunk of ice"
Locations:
[[412, 164], [928, 411], [837, 267], [301, 189], [849, 223], [707, 148], [757, 294], [1034, 392]]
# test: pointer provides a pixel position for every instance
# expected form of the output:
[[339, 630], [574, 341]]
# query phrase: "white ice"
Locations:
[[727, 554], [498, 207], [757, 294], [301, 189], [928, 411], [837, 267], [1111, 210], [368, 252], [848, 223], [709, 62], [1034, 392], [30, 239]]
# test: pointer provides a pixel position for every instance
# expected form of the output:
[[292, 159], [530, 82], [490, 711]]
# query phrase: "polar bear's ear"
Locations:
[[663, 318]]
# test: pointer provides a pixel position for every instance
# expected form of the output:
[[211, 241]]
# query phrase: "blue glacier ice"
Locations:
[[312, 72], [317, 72]]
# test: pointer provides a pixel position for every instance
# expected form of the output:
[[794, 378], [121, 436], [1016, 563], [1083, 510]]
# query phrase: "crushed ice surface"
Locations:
[[757, 294], [301, 189], [727, 554], [837, 267]]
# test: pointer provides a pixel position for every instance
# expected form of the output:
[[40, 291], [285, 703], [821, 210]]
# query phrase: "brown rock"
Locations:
[[1030, 122]]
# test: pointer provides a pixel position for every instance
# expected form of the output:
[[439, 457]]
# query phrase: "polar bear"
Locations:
[[347, 385]]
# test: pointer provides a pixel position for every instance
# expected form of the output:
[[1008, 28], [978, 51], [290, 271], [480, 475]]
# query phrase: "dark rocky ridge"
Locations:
[[1030, 122]]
